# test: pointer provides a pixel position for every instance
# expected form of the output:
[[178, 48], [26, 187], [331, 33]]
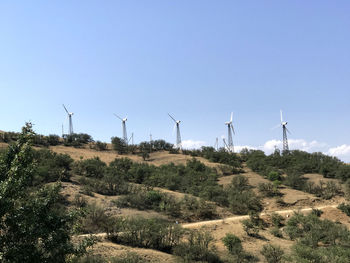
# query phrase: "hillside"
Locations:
[[82, 190]]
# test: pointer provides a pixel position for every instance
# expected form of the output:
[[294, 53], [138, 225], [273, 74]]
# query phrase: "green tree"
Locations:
[[119, 145], [34, 226]]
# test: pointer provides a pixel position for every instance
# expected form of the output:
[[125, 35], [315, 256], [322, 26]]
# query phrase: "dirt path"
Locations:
[[233, 218], [238, 218]]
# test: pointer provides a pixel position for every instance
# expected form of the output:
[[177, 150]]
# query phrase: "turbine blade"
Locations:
[[275, 127], [281, 116], [172, 117], [288, 131], [233, 130], [118, 116], [65, 109], [174, 128]]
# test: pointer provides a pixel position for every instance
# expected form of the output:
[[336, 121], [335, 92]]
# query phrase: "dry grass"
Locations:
[[108, 250]]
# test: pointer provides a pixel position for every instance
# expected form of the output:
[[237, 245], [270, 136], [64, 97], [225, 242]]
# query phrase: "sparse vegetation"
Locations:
[[272, 253], [188, 208], [318, 240], [297, 163]]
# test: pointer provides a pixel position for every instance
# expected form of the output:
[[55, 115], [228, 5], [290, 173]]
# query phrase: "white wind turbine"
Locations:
[[70, 114], [125, 136], [178, 135]]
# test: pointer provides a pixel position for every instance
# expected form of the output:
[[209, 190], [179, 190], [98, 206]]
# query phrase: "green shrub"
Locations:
[[151, 233], [276, 232], [51, 166], [119, 145], [77, 140], [100, 146], [197, 247], [324, 190], [241, 198], [233, 244], [316, 212], [53, 140], [95, 220], [272, 253], [268, 190], [90, 168], [79, 201], [250, 228], [274, 176], [345, 208], [277, 220]]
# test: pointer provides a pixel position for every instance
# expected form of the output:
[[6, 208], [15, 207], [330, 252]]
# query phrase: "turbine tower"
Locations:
[[285, 130], [178, 135], [216, 145], [70, 114], [230, 130], [131, 138], [125, 136]]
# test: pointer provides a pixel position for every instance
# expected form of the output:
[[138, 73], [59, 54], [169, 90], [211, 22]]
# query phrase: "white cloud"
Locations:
[[239, 148], [190, 144], [270, 145], [294, 144], [342, 151]]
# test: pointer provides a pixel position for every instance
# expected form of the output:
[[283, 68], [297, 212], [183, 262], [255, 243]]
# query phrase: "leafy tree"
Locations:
[[119, 145], [34, 226]]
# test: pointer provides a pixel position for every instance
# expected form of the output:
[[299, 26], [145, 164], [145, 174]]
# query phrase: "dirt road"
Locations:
[[238, 218], [233, 218]]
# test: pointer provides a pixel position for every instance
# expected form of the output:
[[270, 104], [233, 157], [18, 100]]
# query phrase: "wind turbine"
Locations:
[[131, 138], [178, 135], [285, 130], [230, 130], [125, 136], [216, 145], [70, 114]]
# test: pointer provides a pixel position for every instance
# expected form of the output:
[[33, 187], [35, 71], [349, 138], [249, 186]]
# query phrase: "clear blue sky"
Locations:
[[198, 60]]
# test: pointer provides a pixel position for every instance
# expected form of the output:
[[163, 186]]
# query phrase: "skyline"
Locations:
[[197, 60]]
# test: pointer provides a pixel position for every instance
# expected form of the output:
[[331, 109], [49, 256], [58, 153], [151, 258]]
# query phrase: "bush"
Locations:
[[95, 220], [197, 247], [272, 253], [241, 198], [324, 190], [119, 145], [274, 176], [250, 228], [277, 220], [151, 233], [268, 190], [77, 140], [79, 201], [275, 231], [100, 146], [188, 208], [90, 168], [345, 208], [233, 244], [53, 140], [51, 166]]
